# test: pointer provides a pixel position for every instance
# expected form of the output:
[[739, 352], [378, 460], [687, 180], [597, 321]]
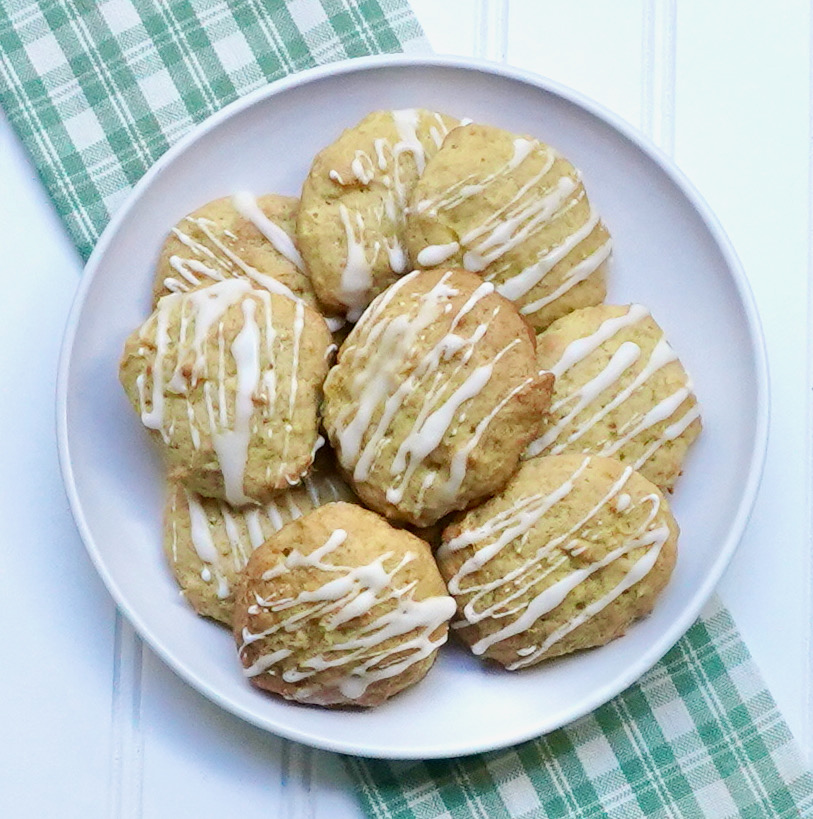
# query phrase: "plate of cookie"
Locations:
[[412, 407]]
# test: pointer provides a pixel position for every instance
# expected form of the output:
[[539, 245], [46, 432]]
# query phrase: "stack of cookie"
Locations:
[[326, 414]]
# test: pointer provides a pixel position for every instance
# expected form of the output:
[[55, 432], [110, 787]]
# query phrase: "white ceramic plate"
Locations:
[[670, 254]]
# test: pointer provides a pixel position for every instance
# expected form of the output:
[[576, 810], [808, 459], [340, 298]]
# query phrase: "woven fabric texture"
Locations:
[[97, 91], [697, 736]]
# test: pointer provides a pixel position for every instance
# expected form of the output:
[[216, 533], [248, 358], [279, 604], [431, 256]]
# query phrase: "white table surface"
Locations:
[[94, 725]]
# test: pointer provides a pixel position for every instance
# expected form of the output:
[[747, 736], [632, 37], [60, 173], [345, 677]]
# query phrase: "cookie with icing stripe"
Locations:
[[566, 557], [515, 211], [434, 396], [340, 608], [207, 542], [620, 391], [351, 220], [239, 236], [228, 378]]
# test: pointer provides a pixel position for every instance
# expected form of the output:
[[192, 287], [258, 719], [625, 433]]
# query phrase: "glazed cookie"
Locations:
[[515, 211], [620, 391], [572, 551], [238, 236], [339, 608], [351, 221], [434, 397], [208, 542], [229, 378]]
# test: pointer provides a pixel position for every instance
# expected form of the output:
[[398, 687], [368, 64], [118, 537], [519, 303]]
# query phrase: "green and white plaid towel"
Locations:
[[698, 736], [98, 90]]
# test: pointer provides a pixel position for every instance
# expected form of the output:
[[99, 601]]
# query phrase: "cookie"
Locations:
[[435, 395], [229, 378], [340, 608], [620, 391], [207, 542], [238, 236], [515, 211], [572, 551], [351, 220]]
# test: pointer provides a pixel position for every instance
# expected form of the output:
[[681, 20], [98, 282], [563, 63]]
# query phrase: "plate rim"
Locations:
[[758, 447]]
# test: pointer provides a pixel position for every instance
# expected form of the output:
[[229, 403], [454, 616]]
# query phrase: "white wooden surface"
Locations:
[[93, 725]]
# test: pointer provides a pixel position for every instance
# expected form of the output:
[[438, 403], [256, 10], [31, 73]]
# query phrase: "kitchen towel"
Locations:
[[97, 91], [697, 737]]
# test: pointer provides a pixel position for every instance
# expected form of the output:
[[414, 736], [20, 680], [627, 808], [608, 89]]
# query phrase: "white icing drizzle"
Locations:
[[510, 524], [432, 426], [389, 374], [569, 425], [186, 269], [220, 261], [231, 444], [406, 123], [506, 598], [153, 418], [508, 226], [534, 206], [363, 168], [230, 423], [457, 468], [254, 527], [267, 282], [204, 546], [174, 529], [622, 502], [433, 255], [334, 323], [578, 273], [357, 276], [388, 345], [246, 205], [199, 527], [439, 130], [246, 528], [579, 349], [623, 358], [654, 539], [385, 168], [520, 285], [671, 432], [351, 591], [470, 186], [660, 412], [299, 326]]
